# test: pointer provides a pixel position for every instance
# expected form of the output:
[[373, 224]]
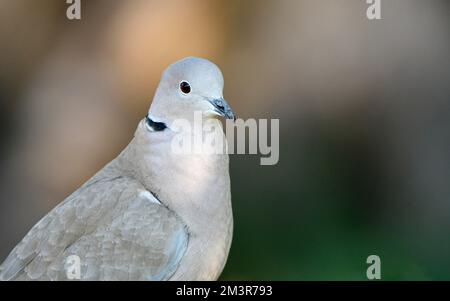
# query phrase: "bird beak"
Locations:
[[222, 107]]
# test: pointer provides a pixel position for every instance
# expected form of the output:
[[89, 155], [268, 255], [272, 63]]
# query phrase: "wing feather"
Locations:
[[118, 233]]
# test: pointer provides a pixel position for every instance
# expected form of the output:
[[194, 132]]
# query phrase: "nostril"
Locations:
[[219, 104]]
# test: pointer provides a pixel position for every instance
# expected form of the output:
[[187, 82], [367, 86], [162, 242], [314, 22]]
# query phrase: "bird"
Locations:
[[150, 214]]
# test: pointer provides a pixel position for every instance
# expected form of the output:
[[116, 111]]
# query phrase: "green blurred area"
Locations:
[[315, 216]]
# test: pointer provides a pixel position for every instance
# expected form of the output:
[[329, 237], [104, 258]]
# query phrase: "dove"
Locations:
[[149, 214]]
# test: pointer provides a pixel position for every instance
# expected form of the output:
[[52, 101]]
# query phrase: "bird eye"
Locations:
[[185, 87]]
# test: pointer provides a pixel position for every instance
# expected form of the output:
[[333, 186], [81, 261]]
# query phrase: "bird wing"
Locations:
[[118, 230]]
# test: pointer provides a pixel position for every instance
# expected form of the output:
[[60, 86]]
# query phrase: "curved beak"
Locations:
[[222, 107]]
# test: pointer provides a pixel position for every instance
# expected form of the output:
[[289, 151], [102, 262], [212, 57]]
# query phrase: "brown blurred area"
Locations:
[[364, 109]]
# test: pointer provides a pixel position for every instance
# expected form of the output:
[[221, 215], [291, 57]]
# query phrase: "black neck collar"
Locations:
[[155, 126]]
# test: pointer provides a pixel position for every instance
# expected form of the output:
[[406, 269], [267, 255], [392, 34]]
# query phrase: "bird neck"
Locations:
[[196, 186]]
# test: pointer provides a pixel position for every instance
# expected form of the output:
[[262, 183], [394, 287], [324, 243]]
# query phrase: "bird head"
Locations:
[[188, 86]]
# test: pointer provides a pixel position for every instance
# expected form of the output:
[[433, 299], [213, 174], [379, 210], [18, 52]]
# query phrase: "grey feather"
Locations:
[[117, 233]]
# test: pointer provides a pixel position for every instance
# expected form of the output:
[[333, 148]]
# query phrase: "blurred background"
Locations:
[[364, 109]]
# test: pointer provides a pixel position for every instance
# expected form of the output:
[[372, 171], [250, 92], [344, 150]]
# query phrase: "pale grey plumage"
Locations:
[[115, 224], [117, 233]]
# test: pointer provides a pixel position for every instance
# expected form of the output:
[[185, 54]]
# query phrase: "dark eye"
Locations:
[[185, 87]]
